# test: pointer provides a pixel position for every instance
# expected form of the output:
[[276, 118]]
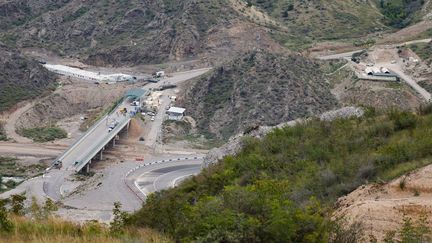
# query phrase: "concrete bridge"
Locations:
[[91, 145]]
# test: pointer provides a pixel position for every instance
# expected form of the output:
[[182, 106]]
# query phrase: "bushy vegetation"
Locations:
[[411, 231], [3, 136], [254, 89], [43, 227], [423, 50], [282, 188], [400, 13], [44, 134]]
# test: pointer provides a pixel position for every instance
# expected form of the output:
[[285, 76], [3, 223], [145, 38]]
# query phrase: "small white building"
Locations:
[[176, 113]]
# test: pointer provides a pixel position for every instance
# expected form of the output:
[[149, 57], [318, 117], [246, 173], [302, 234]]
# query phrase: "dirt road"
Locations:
[[35, 150], [12, 119]]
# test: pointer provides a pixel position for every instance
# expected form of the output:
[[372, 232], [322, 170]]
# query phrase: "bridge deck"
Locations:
[[95, 139]]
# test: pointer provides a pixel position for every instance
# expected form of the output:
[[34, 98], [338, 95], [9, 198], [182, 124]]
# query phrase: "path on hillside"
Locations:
[[12, 119]]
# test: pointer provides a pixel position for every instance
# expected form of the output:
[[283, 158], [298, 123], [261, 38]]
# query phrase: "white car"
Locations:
[[152, 118]]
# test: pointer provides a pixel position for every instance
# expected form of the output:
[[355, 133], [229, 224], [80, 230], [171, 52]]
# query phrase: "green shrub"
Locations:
[[403, 119], [265, 187], [44, 134]]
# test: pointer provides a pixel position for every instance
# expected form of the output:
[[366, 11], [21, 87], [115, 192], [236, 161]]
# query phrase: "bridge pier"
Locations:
[[127, 127], [100, 154], [87, 168]]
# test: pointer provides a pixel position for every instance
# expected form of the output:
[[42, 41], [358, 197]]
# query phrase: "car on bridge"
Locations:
[[58, 164], [112, 126]]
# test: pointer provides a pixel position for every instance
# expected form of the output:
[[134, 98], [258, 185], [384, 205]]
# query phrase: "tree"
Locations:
[[5, 223], [17, 204], [120, 217], [49, 207]]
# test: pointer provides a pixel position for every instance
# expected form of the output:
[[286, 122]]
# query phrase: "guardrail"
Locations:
[[140, 194], [87, 133], [81, 138]]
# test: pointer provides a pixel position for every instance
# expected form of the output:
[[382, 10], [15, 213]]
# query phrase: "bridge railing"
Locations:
[[87, 133], [98, 147]]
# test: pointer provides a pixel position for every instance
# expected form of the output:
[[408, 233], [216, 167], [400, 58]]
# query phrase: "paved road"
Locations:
[[410, 81], [113, 187], [395, 67], [349, 54], [339, 55], [117, 185], [96, 135], [156, 177]]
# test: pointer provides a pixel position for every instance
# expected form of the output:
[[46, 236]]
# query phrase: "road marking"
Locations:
[[173, 184], [136, 185], [150, 163]]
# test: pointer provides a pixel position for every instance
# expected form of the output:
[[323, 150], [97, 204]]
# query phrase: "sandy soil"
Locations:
[[381, 208]]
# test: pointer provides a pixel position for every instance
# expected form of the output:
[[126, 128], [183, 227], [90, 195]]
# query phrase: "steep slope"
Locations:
[[282, 188], [258, 88], [21, 78], [134, 32], [324, 19], [381, 208], [103, 32]]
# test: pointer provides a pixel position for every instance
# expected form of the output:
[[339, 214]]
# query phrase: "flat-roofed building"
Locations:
[[176, 113]]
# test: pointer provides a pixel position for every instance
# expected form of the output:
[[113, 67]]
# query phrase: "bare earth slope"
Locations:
[[381, 208], [258, 88]]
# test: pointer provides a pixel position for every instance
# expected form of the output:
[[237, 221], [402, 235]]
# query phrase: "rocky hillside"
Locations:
[[103, 32], [130, 32], [257, 88], [21, 78]]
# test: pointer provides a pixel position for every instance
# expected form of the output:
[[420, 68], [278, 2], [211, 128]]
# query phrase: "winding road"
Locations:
[[94, 197]]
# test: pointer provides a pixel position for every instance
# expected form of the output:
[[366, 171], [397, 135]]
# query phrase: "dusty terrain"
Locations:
[[75, 97], [381, 208]]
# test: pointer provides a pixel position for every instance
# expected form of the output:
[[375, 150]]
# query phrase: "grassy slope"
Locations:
[[324, 19], [56, 230], [271, 190], [423, 50]]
